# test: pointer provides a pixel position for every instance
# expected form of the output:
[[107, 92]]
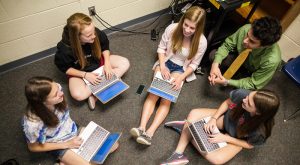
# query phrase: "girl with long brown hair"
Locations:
[[179, 53], [83, 49], [47, 124], [246, 120]]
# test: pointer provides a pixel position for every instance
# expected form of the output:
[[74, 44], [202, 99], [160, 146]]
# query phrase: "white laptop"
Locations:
[[163, 88], [107, 89], [96, 144], [200, 136]]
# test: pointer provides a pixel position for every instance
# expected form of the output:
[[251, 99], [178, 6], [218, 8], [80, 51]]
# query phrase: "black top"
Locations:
[[256, 137], [65, 58]]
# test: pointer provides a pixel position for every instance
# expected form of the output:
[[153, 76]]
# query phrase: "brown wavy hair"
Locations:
[[267, 104], [194, 14], [36, 91], [75, 24]]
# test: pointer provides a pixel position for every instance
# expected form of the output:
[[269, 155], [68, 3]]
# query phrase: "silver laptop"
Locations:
[[96, 144], [107, 89], [163, 88], [201, 137]]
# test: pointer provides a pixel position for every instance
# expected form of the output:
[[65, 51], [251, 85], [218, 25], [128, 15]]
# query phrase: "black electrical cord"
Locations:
[[134, 31], [113, 28], [165, 13], [150, 23]]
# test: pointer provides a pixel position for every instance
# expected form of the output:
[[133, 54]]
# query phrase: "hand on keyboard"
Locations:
[[74, 142], [211, 126], [93, 78], [218, 138], [177, 83], [165, 73], [108, 72]]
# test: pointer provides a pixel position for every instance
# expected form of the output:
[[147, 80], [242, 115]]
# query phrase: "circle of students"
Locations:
[[245, 119]]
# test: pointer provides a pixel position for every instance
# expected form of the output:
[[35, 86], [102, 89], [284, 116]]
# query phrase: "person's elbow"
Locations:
[[248, 146], [32, 147]]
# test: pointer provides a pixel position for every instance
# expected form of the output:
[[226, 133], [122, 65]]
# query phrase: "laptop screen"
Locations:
[[112, 91], [102, 153]]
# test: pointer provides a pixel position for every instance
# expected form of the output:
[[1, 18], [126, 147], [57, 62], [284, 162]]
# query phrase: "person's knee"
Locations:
[[165, 102], [152, 97], [193, 114], [126, 64], [122, 62], [77, 95], [216, 159]]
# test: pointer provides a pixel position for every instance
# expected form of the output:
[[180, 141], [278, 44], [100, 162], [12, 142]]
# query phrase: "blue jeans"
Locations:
[[173, 67]]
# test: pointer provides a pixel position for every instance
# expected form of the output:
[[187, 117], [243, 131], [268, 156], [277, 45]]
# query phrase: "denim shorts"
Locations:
[[174, 67], [58, 154]]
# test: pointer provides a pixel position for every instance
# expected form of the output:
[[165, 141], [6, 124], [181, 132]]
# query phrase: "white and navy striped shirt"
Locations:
[[36, 131]]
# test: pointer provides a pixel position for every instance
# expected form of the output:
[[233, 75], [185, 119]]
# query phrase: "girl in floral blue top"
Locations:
[[47, 124]]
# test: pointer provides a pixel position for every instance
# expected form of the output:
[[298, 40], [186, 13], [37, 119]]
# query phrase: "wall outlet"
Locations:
[[92, 10]]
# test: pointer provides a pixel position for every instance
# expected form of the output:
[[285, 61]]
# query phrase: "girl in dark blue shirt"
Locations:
[[245, 120]]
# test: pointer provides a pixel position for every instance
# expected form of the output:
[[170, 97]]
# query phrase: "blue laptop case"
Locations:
[[112, 91], [102, 153], [162, 94]]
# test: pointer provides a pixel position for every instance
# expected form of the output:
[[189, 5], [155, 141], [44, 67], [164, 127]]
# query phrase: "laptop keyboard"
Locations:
[[103, 83], [197, 129], [165, 86], [92, 144]]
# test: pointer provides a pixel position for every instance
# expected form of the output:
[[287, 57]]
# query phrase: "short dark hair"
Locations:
[[267, 29]]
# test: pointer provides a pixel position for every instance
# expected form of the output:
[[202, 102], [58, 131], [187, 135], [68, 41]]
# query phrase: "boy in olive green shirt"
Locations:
[[262, 62]]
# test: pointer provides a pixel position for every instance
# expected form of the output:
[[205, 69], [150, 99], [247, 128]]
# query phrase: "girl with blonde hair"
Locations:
[[83, 49], [179, 53]]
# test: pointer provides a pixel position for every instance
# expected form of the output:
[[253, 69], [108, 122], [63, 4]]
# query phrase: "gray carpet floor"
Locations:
[[123, 113]]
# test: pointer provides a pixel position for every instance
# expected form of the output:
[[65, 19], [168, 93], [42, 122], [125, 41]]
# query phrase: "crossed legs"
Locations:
[[70, 158], [80, 91], [219, 156]]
